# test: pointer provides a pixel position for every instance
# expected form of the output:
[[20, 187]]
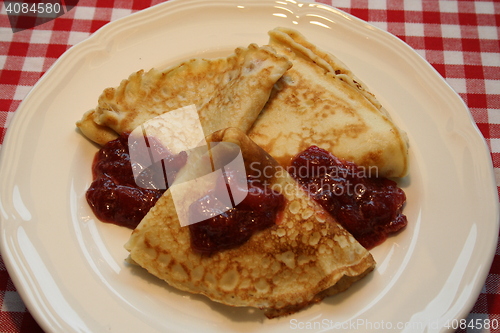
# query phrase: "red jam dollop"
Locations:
[[234, 226], [114, 195], [369, 207]]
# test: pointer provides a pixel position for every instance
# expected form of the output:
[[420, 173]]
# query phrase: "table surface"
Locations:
[[460, 39]]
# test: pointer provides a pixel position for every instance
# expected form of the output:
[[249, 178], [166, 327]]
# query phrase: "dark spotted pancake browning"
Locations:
[[227, 92], [305, 257], [287, 96], [320, 102]]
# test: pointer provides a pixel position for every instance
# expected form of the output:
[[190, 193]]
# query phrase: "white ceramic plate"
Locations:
[[69, 267]]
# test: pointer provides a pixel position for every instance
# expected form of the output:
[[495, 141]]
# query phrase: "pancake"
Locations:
[[297, 261], [320, 102], [227, 92]]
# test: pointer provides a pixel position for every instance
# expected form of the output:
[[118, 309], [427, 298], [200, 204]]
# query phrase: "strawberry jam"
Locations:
[[232, 227], [114, 195], [369, 207]]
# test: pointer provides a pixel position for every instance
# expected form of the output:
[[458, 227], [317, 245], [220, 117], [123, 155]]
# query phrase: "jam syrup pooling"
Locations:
[[234, 226], [369, 207], [114, 195]]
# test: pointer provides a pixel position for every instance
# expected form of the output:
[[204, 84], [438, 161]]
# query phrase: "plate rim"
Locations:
[[106, 32]]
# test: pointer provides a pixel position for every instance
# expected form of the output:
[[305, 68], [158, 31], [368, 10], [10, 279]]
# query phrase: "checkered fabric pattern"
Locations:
[[459, 38]]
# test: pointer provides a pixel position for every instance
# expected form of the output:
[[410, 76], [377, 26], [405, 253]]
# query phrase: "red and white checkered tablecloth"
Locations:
[[459, 38]]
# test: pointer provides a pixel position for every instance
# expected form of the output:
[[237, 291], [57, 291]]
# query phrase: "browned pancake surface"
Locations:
[[320, 102], [227, 92], [300, 260]]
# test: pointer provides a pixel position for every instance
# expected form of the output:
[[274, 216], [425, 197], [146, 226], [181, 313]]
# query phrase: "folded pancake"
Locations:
[[228, 92], [304, 256], [320, 102]]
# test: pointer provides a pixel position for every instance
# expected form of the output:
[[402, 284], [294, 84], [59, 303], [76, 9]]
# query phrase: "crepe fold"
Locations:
[[319, 101], [227, 92], [298, 261]]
